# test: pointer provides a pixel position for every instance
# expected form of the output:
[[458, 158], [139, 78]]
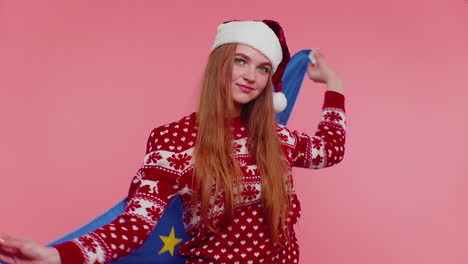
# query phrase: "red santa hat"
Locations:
[[266, 36]]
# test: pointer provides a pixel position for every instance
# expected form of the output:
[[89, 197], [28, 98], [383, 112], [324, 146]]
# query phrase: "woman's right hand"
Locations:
[[321, 72], [16, 250]]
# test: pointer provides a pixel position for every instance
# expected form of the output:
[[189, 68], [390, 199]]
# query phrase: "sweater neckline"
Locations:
[[237, 122]]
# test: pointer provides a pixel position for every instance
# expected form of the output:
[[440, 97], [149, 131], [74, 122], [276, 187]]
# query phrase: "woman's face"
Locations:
[[250, 74]]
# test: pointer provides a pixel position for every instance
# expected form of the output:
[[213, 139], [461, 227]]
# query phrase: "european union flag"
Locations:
[[161, 245]]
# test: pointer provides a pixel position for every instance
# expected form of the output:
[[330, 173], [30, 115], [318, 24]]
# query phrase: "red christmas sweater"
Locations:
[[167, 170]]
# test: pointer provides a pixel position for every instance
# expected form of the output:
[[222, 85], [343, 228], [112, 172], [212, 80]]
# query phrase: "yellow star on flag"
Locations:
[[169, 242]]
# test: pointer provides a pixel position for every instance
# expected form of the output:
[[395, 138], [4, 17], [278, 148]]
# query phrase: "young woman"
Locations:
[[229, 162]]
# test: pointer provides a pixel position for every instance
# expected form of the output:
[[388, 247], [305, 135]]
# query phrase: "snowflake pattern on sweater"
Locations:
[[167, 171]]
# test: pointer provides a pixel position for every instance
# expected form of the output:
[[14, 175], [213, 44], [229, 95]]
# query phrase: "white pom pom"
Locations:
[[279, 101]]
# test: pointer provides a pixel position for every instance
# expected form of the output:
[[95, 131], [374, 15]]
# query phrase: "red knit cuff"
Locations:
[[70, 253], [334, 99]]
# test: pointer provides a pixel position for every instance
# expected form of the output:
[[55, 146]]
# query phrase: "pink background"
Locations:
[[82, 84]]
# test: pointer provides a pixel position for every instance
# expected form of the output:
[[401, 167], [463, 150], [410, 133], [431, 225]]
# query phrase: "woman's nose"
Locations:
[[249, 74]]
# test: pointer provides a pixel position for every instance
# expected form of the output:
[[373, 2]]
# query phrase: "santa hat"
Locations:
[[266, 36]]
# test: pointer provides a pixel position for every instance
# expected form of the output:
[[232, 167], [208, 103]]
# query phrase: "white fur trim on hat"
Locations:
[[279, 101], [253, 33]]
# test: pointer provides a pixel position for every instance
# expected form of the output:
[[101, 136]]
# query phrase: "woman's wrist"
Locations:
[[335, 84]]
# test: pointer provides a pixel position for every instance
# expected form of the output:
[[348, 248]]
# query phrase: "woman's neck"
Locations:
[[236, 110]]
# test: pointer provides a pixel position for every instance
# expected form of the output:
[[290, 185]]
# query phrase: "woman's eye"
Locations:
[[264, 69], [239, 61]]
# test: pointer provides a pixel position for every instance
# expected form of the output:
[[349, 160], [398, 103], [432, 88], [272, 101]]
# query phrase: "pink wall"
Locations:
[[83, 83]]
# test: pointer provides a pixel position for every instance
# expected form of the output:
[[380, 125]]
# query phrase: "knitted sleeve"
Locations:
[[326, 147], [151, 189]]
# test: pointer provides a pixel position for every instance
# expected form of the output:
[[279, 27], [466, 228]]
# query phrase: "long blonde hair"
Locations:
[[215, 167]]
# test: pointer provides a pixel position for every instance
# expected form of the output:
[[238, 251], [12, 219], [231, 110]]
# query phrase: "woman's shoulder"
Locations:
[[175, 136], [187, 121]]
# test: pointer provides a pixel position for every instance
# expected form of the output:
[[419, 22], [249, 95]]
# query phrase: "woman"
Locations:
[[229, 162]]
